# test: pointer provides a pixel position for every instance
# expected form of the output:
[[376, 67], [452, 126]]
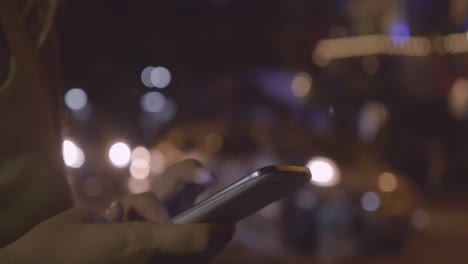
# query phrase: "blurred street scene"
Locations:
[[370, 95]]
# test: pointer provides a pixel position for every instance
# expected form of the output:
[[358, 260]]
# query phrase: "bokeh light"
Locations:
[[141, 156], [140, 164], [370, 201], [169, 110], [372, 117], [153, 102], [455, 43], [120, 154], [146, 76], [160, 77], [325, 172], [400, 34], [139, 172], [73, 156], [301, 85], [331, 49], [387, 182], [213, 142], [458, 98], [158, 162], [138, 186], [76, 99]]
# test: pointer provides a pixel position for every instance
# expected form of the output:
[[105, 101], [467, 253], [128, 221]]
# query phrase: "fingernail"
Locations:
[[115, 211]]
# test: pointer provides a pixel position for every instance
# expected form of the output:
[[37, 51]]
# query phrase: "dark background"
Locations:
[[232, 63]]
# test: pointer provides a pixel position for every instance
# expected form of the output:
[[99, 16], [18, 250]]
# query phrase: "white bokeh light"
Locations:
[[139, 172], [141, 156], [325, 172], [120, 154], [153, 102], [76, 99], [73, 156], [370, 201], [146, 76], [160, 77], [140, 167]]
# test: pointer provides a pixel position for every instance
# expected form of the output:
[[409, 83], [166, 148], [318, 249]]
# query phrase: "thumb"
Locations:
[[81, 215], [162, 239]]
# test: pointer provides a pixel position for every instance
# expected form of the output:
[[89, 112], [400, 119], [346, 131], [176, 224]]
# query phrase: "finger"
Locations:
[[167, 239], [180, 185], [115, 212], [179, 173], [78, 214], [143, 206]]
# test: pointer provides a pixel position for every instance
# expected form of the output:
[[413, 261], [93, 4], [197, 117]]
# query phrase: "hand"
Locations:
[[74, 236], [71, 237], [174, 191], [180, 185], [147, 207]]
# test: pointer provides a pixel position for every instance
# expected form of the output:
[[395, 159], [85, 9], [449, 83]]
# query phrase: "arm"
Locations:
[[32, 179], [79, 236]]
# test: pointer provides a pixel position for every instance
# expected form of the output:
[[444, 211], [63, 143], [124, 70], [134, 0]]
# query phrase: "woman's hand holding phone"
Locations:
[[136, 233]]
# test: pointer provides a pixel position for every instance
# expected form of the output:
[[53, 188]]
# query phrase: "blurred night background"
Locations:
[[371, 95]]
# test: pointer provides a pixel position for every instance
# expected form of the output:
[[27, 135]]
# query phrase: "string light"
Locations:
[[340, 48], [456, 43]]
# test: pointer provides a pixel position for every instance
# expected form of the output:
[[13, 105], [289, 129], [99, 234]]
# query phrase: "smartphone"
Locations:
[[247, 195]]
